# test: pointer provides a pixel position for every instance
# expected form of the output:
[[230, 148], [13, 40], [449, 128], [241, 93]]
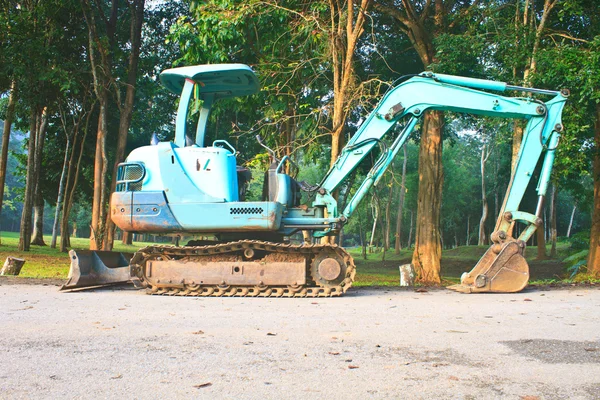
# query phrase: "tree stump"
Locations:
[[12, 266], [407, 275]]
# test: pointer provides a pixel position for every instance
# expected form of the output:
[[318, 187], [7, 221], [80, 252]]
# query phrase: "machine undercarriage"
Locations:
[[244, 268]]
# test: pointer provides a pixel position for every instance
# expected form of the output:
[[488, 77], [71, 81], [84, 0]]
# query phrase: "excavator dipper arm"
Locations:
[[503, 268]]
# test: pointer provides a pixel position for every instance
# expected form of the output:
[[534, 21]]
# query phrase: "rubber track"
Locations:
[[138, 263]]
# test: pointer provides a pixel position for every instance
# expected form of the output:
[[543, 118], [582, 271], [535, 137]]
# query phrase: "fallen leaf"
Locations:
[[352, 366], [591, 349], [203, 385], [314, 302], [271, 334], [334, 353], [530, 398], [198, 333], [421, 290], [452, 378], [116, 376], [121, 309], [348, 360], [527, 299]]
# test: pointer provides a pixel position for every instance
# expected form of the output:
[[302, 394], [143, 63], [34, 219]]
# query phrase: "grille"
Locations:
[[133, 172], [245, 210], [128, 175]]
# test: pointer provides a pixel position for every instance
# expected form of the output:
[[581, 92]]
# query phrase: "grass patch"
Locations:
[[44, 262], [375, 272]]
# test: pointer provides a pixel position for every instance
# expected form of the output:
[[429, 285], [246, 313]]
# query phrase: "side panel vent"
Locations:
[[130, 176], [245, 210]]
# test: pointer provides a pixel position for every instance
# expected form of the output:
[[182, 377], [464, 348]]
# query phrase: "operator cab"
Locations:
[[210, 83]]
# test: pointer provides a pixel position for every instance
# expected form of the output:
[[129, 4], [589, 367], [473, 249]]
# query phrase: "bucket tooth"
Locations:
[[96, 268], [502, 269]]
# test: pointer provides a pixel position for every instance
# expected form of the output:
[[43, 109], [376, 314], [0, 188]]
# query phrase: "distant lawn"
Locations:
[[375, 272], [44, 262]]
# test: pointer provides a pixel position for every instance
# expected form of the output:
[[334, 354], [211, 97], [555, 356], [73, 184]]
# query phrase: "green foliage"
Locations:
[[580, 240]]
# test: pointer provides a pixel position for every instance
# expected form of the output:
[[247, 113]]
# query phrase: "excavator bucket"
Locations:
[[502, 269], [97, 268]]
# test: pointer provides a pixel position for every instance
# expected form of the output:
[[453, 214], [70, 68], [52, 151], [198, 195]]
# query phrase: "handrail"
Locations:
[[288, 159], [224, 142]]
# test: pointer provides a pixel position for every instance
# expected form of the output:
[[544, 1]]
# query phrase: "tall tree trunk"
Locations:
[[468, 239], [484, 204], [593, 263], [346, 27], [71, 182], [541, 242], [402, 194], [428, 252], [37, 238], [98, 204], [571, 220], [386, 242], [412, 16], [38, 199], [530, 25], [343, 198], [375, 208], [10, 113], [410, 231], [127, 238], [363, 241], [126, 110], [25, 233], [553, 233], [61, 191]]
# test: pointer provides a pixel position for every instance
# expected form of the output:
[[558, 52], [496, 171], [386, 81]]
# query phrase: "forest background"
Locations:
[[79, 90]]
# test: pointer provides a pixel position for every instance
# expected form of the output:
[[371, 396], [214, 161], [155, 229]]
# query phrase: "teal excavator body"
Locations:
[[188, 186]]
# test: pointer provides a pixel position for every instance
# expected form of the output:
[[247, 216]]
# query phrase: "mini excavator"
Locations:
[[185, 187]]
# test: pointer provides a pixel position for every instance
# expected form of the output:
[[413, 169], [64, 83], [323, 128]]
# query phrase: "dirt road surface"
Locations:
[[371, 343]]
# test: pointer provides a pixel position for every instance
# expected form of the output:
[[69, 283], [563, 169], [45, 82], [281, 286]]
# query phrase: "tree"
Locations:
[[594, 255], [423, 23], [401, 196], [103, 52], [485, 154], [10, 112], [574, 62]]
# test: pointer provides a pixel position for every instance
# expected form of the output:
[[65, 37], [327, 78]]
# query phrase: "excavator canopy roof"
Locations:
[[222, 80]]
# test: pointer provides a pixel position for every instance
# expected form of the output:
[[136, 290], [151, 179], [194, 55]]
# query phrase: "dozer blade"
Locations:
[[91, 269], [502, 269]]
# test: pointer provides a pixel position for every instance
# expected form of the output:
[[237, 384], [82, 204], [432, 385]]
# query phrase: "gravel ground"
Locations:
[[371, 343]]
